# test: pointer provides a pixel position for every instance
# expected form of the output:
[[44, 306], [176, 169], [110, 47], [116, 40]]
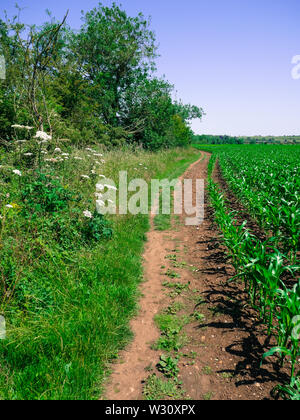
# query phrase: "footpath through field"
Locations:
[[194, 336]]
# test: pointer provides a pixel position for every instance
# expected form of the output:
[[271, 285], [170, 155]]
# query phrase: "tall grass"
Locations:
[[68, 302]]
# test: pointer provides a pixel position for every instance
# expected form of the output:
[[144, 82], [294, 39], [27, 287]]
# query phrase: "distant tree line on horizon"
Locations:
[[96, 84], [213, 139]]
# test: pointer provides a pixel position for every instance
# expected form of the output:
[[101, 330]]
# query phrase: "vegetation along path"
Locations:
[[194, 336]]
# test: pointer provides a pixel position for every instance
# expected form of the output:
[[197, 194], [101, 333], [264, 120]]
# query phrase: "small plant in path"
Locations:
[[168, 366]]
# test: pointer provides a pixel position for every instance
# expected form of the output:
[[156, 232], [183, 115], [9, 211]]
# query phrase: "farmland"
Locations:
[[265, 180], [117, 282]]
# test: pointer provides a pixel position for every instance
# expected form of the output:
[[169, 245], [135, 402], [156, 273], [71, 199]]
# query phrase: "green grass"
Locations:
[[156, 388], [163, 222], [68, 315]]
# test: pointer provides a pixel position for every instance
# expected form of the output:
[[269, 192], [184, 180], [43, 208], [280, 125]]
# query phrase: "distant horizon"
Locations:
[[255, 135], [239, 61]]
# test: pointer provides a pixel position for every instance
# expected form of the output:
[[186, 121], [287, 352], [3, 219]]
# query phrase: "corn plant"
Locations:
[[274, 200]]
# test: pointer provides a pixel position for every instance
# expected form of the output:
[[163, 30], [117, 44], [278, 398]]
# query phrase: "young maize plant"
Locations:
[[267, 183], [263, 266]]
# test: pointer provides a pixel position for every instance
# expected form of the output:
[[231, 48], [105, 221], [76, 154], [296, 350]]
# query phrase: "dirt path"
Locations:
[[186, 273]]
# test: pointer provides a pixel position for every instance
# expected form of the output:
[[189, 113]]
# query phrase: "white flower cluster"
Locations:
[[17, 172], [88, 214], [41, 135], [21, 127]]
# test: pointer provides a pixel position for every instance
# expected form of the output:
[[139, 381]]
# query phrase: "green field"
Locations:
[[266, 180]]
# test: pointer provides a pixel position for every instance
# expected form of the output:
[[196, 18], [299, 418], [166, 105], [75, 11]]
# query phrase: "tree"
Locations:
[[114, 53], [96, 84], [31, 60]]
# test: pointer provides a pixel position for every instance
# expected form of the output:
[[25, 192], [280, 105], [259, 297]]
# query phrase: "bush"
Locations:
[[97, 228], [45, 195]]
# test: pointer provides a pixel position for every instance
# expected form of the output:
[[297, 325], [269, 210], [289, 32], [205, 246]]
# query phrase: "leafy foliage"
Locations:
[[96, 83], [43, 194], [263, 265], [98, 228]]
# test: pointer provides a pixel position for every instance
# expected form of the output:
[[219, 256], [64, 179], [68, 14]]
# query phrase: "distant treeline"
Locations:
[[210, 139]]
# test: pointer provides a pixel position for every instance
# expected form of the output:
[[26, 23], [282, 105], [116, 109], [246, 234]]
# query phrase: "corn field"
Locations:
[[265, 180]]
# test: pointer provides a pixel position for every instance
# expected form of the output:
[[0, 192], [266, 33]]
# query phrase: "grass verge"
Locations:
[[68, 301]]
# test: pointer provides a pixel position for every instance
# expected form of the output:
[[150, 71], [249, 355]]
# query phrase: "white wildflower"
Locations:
[[78, 158], [22, 127], [42, 136], [110, 187], [100, 187], [51, 160], [57, 150], [17, 172], [88, 214], [17, 126], [85, 177], [98, 155], [28, 154], [9, 206], [100, 203]]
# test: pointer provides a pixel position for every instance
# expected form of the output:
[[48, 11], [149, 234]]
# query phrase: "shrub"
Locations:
[[44, 194], [97, 228]]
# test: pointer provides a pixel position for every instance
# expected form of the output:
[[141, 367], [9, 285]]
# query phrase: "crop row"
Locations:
[[263, 268]]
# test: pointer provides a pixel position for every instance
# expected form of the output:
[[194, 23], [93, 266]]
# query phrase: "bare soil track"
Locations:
[[221, 360]]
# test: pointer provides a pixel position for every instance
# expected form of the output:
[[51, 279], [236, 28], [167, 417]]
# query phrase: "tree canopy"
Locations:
[[97, 84]]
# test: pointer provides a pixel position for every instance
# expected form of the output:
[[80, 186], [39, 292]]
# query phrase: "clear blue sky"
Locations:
[[232, 57]]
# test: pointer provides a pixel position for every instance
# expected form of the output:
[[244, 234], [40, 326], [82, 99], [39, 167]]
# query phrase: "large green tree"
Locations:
[[96, 84], [114, 53]]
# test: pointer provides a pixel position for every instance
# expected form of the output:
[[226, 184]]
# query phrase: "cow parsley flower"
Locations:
[[100, 203], [42, 136], [18, 127], [110, 187], [17, 172], [88, 214]]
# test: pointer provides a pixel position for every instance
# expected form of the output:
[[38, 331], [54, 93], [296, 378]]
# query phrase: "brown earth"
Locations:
[[221, 360]]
